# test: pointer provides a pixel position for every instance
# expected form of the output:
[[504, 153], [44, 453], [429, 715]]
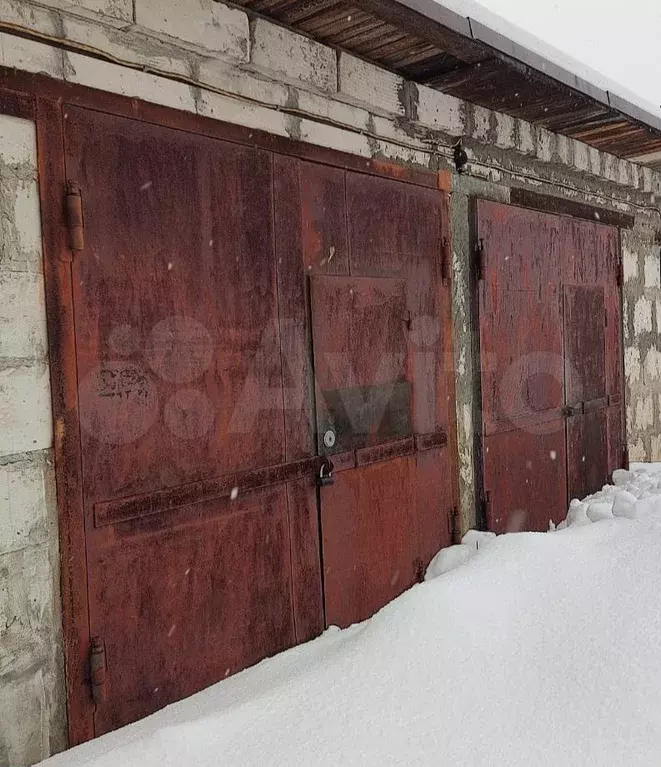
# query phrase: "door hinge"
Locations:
[[620, 272], [446, 261], [453, 525], [485, 511], [480, 260], [98, 668], [625, 458], [75, 217]]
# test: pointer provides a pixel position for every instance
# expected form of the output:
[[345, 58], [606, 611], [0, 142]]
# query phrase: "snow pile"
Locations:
[[633, 495], [540, 649]]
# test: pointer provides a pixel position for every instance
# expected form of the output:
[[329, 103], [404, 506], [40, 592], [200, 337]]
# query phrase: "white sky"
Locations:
[[621, 40]]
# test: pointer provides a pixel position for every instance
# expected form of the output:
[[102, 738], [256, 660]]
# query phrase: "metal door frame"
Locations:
[[43, 100], [557, 206]]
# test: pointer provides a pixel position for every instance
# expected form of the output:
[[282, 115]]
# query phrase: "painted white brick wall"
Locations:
[[207, 23], [32, 699], [293, 57]]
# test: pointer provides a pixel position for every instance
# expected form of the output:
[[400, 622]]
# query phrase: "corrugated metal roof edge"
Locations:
[[469, 27]]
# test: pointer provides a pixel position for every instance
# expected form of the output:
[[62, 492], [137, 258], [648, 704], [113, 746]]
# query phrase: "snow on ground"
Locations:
[[535, 649]]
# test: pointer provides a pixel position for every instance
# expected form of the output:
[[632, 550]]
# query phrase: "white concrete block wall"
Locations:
[[32, 701], [642, 340]]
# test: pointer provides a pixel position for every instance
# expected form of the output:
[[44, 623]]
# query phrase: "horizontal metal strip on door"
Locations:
[[146, 504], [523, 421], [399, 448], [586, 407]]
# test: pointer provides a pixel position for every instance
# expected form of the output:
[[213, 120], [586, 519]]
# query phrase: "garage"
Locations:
[[549, 293], [264, 406]]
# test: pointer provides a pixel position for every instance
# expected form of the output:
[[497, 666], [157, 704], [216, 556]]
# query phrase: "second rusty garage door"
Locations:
[[242, 319], [551, 360]]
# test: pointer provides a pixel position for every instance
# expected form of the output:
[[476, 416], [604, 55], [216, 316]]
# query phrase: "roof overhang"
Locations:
[[446, 49]]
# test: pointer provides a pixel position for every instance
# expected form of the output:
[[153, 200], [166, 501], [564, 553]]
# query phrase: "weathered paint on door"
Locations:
[[551, 362], [216, 278]]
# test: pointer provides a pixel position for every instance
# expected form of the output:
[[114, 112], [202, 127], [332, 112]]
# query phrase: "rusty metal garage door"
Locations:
[[213, 281], [551, 362]]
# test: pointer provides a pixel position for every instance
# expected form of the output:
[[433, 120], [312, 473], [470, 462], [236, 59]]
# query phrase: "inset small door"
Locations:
[[382, 390]]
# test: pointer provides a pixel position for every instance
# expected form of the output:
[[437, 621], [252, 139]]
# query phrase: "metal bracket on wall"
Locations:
[[75, 217]]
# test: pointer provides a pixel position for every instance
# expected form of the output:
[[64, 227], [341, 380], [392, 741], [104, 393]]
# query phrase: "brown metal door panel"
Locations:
[[522, 356], [370, 539], [616, 438], [297, 374], [359, 328], [523, 248], [434, 503], [306, 566], [181, 389], [587, 453], [394, 228], [323, 218], [590, 253], [613, 340], [525, 478], [585, 347], [176, 306], [179, 609]]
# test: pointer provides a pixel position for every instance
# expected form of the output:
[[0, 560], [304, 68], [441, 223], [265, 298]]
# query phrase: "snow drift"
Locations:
[[531, 649]]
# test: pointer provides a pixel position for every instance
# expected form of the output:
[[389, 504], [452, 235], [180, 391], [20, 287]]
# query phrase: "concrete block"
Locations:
[[630, 263], [218, 74], [29, 16], [340, 112], [131, 46], [581, 156], [294, 57], [652, 270], [505, 137], [632, 366], [30, 56], [242, 113], [27, 502], [527, 137], [27, 590], [20, 223], [18, 141], [646, 178], [121, 10], [595, 161], [368, 84], [481, 123], [205, 23], [652, 366], [637, 451], [545, 145], [642, 316], [562, 150], [25, 733], [441, 112], [22, 316], [25, 409], [128, 82], [334, 138], [644, 412]]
